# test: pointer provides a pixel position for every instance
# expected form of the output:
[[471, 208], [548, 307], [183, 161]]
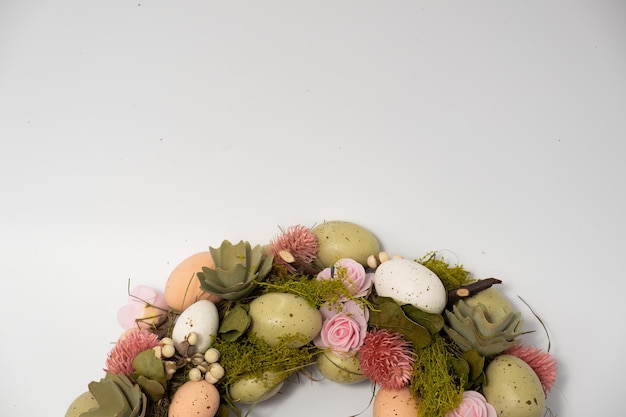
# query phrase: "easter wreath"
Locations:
[[233, 323]]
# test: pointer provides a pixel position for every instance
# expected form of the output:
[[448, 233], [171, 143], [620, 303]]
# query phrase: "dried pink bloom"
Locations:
[[386, 359], [294, 247], [131, 344], [542, 363]]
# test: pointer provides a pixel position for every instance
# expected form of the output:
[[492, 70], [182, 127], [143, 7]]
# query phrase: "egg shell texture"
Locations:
[[279, 315], [341, 369], [202, 318], [340, 239], [392, 403], [250, 390], [195, 399], [83, 403], [513, 388], [182, 288], [409, 282]]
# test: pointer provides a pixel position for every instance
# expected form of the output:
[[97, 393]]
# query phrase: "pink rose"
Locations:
[[344, 327], [146, 309], [353, 275], [473, 405]]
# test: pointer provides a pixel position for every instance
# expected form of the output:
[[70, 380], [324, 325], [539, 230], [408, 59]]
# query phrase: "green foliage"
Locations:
[[252, 357], [451, 276], [116, 396], [235, 323], [435, 378], [149, 374], [387, 314]]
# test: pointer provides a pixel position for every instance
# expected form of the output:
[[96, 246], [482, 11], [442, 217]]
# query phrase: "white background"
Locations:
[[135, 133]]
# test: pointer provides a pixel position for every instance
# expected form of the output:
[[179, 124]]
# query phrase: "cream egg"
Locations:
[[409, 282], [201, 318]]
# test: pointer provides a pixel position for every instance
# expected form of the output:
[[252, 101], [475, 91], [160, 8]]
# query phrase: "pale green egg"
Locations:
[[250, 390], [492, 299], [83, 403], [279, 316], [513, 388], [342, 369], [340, 239]]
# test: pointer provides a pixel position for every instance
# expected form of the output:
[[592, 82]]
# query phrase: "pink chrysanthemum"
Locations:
[[542, 363], [386, 359], [131, 344], [293, 248]]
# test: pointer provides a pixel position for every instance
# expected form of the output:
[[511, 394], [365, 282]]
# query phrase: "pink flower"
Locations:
[[294, 248], [542, 363], [129, 345], [386, 359], [352, 274], [473, 405], [146, 309], [344, 327]]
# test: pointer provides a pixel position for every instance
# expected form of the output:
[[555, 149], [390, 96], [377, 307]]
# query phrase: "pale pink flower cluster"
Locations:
[[146, 309], [353, 275], [473, 404], [344, 327]]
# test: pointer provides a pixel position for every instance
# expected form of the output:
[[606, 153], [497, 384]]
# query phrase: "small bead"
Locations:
[[210, 378], [372, 262], [167, 341], [168, 351], [383, 256], [195, 374], [212, 355], [216, 370], [192, 338]]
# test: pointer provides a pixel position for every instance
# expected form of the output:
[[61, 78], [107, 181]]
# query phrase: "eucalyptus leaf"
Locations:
[[235, 323], [433, 322], [389, 315], [476, 363], [153, 389], [148, 365]]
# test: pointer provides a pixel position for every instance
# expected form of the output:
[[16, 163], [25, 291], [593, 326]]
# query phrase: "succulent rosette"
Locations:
[[326, 297]]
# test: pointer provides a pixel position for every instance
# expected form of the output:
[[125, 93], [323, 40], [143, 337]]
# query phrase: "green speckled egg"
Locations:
[[278, 315], [340, 239], [492, 299], [250, 390], [342, 369], [513, 388], [83, 403]]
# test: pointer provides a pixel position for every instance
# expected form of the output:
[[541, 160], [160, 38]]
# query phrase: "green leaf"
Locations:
[[389, 315], [148, 365], [111, 401], [476, 363], [153, 389], [461, 369], [235, 323], [433, 322]]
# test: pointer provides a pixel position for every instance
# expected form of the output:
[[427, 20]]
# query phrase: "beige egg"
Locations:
[[195, 399], [392, 403], [182, 288], [342, 369], [339, 239], [83, 403], [513, 388]]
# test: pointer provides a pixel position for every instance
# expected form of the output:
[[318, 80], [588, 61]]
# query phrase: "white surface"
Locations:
[[135, 133]]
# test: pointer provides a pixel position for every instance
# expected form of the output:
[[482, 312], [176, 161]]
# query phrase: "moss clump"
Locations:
[[451, 276], [251, 356], [435, 380], [315, 292]]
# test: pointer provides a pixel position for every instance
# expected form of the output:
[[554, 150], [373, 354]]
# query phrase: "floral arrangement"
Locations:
[[235, 322]]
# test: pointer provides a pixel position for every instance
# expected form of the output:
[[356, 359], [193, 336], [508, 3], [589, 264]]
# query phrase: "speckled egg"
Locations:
[[392, 403], [338, 368], [195, 399], [409, 282], [491, 299], [513, 388], [250, 390], [276, 316], [201, 318], [83, 403], [182, 288], [340, 239]]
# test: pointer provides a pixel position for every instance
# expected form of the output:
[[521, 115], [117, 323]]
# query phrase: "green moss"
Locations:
[[251, 356], [451, 276], [435, 380], [315, 292]]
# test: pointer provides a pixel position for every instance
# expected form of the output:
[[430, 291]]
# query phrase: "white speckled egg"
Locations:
[[513, 388], [409, 282], [202, 318]]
